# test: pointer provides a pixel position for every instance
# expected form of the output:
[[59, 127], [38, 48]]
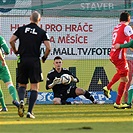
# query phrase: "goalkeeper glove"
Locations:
[[55, 81], [73, 79]]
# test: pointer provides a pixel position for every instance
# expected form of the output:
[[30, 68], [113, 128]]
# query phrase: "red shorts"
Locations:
[[121, 67]]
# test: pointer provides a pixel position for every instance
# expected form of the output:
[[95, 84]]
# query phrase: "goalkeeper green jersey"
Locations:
[[4, 71]]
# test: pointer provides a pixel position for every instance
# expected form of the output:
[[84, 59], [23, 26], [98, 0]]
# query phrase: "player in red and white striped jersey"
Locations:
[[122, 33]]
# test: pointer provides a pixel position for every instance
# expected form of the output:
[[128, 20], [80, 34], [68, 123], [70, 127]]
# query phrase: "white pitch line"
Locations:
[[65, 121]]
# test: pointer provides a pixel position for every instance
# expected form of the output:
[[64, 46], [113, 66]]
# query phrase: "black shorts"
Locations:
[[69, 94], [29, 69]]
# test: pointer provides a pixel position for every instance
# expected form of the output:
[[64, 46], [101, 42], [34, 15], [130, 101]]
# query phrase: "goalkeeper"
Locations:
[[61, 91], [6, 77], [130, 90]]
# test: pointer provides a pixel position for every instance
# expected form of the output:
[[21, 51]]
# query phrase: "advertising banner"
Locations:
[[47, 97], [71, 37]]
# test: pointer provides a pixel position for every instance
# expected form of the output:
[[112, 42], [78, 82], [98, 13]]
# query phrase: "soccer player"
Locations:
[[61, 91], [5, 76], [30, 36], [121, 34], [129, 58], [130, 90]]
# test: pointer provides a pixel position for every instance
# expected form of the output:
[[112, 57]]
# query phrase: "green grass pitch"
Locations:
[[69, 119]]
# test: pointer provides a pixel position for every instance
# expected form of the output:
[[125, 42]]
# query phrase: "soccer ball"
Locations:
[[65, 79]]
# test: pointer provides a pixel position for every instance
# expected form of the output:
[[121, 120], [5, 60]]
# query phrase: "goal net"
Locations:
[[80, 32]]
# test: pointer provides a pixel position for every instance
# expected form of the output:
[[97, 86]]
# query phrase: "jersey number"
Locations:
[[114, 37]]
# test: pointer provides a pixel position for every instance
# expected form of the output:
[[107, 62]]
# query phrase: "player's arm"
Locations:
[[1, 56], [4, 46], [12, 43], [73, 77], [5, 49], [47, 45], [55, 82], [126, 45], [2, 59], [47, 51], [131, 49], [51, 83]]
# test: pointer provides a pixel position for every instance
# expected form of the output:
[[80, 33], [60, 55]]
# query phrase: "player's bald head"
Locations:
[[35, 17]]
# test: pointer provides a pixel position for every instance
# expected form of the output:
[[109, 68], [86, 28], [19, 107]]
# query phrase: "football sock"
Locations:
[[130, 95], [127, 86], [113, 81], [2, 101], [13, 92], [32, 100], [89, 96], [21, 92], [121, 88]]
